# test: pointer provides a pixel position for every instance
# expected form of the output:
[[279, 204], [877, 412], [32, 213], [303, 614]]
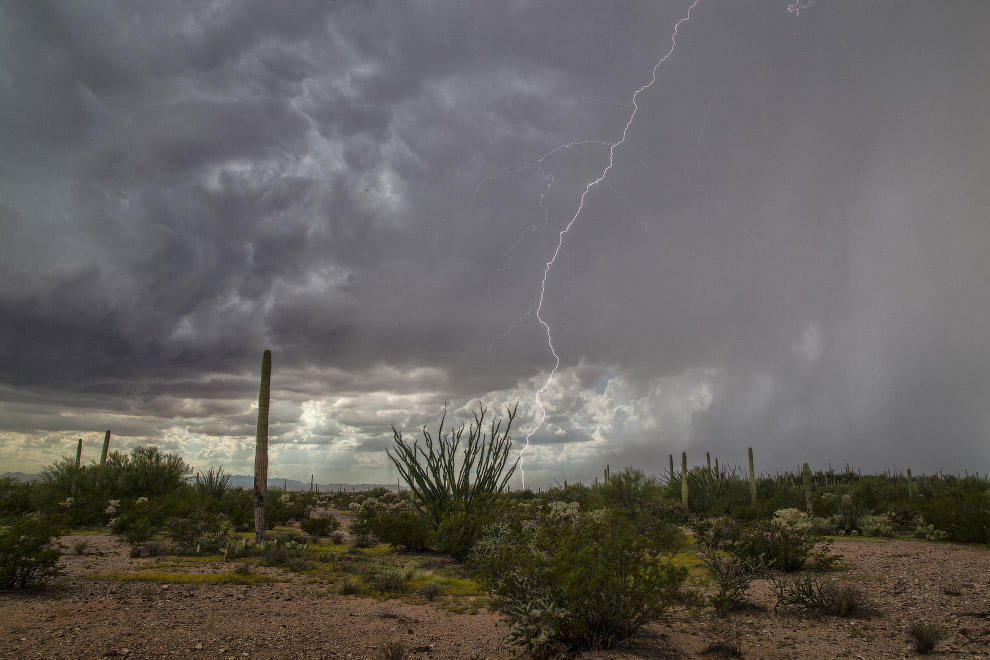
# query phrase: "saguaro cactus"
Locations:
[[684, 481], [261, 449], [847, 513], [671, 466], [79, 454], [910, 485], [106, 448], [752, 479], [808, 488]]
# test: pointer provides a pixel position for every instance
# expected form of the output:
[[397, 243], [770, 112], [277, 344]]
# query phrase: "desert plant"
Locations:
[[437, 481], [261, 448], [926, 636], [106, 448], [349, 586], [394, 650], [814, 592], [320, 525], [28, 553], [386, 578], [394, 522], [432, 590], [586, 581], [214, 483], [79, 547]]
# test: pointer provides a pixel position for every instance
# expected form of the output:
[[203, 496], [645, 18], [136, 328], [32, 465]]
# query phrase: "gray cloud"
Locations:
[[789, 251]]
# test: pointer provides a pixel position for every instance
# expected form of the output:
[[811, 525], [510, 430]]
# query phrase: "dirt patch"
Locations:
[[79, 617]]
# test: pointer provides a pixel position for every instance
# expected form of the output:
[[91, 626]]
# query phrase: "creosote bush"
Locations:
[[28, 553], [571, 580]]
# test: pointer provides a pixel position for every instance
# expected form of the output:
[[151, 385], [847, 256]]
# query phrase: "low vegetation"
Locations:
[[572, 569]]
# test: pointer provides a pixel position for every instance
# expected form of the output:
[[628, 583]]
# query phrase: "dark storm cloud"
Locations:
[[789, 251]]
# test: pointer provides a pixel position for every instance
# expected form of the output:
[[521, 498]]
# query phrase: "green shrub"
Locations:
[[584, 581], [238, 505], [321, 525], [386, 578], [28, 553], [395, 522], [964, 517], [781, 545], [15, 498], [926, 636], [432, 590]]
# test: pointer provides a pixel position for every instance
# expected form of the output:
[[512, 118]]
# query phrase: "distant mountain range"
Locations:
[[246, 481]]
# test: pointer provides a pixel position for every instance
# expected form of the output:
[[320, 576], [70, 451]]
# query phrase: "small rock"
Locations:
[[198, 647]]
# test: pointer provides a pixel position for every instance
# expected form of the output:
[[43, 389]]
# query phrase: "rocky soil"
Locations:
[[79, 617]]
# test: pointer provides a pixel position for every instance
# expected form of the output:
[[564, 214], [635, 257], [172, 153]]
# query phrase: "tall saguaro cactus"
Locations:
[[752, 479], [261, 449], [808, 487], [79, 454], [684, 480], [106, 448]]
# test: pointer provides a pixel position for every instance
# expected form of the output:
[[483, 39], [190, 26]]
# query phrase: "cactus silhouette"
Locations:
[[261, 449], [684, 480], [106, 448]]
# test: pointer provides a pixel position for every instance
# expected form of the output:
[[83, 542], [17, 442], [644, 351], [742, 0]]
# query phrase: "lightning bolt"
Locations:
[[560, 238]]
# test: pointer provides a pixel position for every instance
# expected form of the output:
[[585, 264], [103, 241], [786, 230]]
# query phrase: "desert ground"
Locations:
[[88, 613]]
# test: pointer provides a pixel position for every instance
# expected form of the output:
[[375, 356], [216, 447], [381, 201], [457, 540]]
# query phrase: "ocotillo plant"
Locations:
[[106, 448], [79, 454], [752, 479], [684, 480], [261, 449], [808, 486]]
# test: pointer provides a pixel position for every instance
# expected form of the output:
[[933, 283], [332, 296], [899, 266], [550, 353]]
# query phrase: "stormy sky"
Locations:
[[790, 250]]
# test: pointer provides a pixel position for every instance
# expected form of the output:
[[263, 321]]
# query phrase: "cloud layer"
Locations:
[[790, 251]]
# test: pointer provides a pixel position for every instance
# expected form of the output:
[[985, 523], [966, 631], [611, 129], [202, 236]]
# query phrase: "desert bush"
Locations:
[[432, 590], [320, 525], [787, 543], [16, 498], [238, 505], [583, 581], [926, 636], [28, 553], [394, 650], [386, 578], [349, 586], [203, 531], [814, 592], [395, 522], [964, 517], [151, 473]]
